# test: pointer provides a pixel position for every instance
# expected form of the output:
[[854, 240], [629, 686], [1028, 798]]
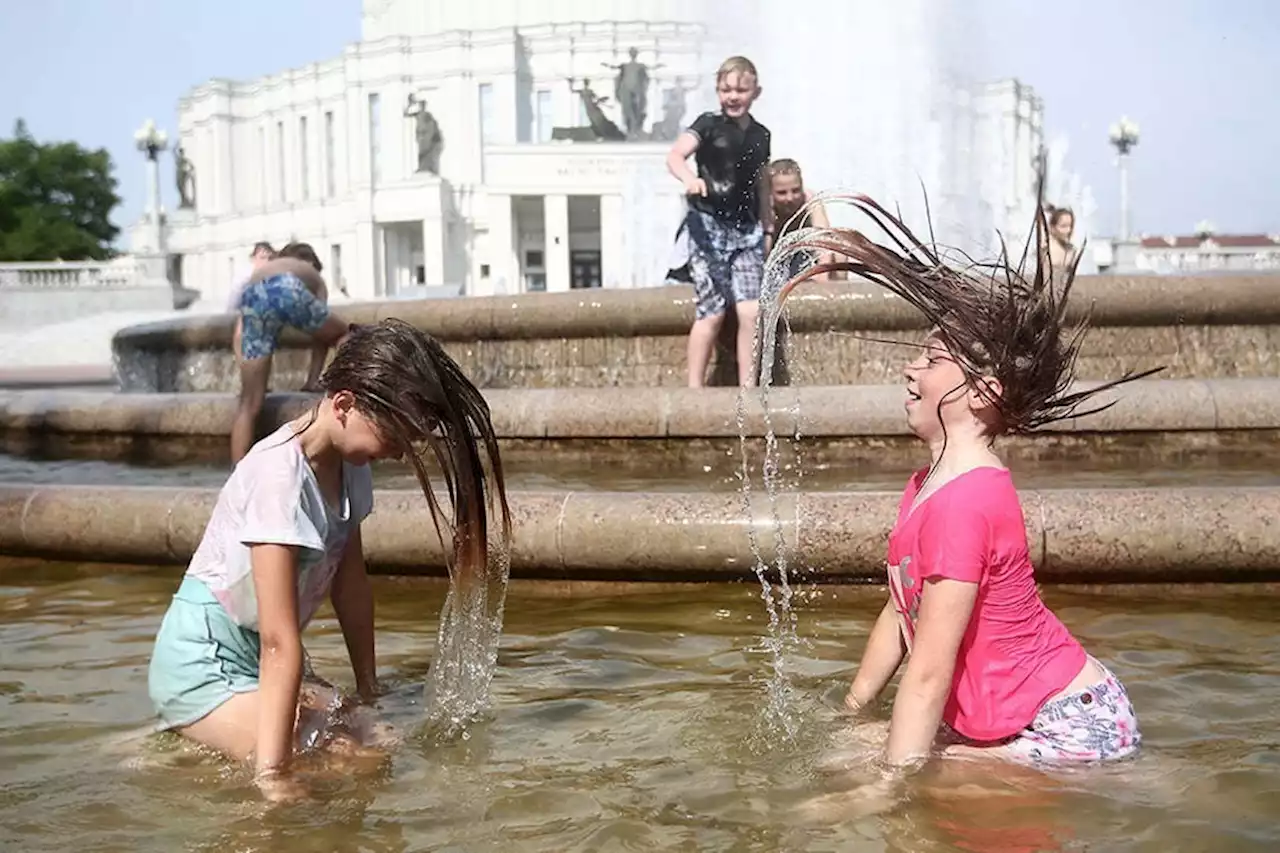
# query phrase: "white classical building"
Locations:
[[327, 153]]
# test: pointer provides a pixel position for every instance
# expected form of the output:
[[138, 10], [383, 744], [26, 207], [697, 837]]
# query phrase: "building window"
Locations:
[[375, 134], [484, 270], [304, 162], [262, 156], [486, 114], [330, 157], [281, 185], [542, 115]]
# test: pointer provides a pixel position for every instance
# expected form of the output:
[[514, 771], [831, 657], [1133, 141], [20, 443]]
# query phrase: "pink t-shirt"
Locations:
[[1016, 653]]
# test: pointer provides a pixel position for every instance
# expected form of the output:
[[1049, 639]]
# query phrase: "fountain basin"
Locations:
[[1076, 535], [1197, 326]]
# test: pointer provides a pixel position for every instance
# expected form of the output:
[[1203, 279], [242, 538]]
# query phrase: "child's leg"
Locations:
[[746, 274], [708, 317], [329, 335], [747, 320], [236, 339], [254, 373]]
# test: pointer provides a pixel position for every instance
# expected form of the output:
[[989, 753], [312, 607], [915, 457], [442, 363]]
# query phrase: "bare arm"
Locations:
[[352, 600], [280, 659], [818, 217], [880, 660], [678, 162], [945, 609]]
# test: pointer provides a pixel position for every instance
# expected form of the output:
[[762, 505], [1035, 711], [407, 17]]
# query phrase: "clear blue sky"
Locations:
[[1199, 76]]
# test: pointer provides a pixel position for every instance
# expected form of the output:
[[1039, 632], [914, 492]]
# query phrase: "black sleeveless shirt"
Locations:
[[730, 160]]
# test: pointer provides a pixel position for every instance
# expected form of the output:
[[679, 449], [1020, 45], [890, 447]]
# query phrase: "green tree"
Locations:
[[55, 200]]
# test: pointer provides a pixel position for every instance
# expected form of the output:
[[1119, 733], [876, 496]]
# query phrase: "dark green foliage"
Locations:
[[55, 200]]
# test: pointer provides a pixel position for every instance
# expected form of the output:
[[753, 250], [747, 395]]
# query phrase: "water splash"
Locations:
[[777, 586], [458, 682]]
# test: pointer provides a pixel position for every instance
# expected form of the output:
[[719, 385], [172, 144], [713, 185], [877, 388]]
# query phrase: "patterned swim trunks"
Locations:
[[726, 262], [1097, 723], [267, 306]]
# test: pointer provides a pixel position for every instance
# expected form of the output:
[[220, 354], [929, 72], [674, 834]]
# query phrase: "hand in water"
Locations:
[[873, 798], [277, 787]]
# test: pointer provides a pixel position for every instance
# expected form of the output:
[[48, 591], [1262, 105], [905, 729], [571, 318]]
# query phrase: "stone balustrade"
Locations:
[[121, 273]]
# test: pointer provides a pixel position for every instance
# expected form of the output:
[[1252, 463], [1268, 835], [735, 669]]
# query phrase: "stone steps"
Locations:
[[1150, 535], [1146, 406]]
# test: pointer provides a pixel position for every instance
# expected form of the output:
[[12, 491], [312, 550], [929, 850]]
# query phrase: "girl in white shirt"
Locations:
[[227, 668]]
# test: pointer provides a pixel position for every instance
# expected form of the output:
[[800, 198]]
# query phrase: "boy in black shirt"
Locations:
[[729, 223]]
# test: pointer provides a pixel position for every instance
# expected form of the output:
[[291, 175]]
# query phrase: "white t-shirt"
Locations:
[[238, 284], [273, 497]]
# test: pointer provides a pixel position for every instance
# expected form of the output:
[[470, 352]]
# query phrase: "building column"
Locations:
[[433, 249], [500, 254], [555, 211], [613, 244], [363, 271]]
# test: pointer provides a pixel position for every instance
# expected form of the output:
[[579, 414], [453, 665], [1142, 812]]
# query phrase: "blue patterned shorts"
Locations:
[[267, 306], [726, 262], [1094, 724]]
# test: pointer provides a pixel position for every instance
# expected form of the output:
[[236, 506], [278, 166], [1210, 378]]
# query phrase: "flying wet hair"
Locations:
[[403, 379], [996, 320]]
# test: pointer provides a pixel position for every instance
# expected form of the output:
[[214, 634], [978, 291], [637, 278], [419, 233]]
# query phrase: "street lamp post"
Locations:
[[151, 142], [1124, 136]]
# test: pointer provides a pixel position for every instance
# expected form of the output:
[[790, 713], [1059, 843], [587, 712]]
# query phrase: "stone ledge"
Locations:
[[1111, 300], [1153, 405], [1076, 535]]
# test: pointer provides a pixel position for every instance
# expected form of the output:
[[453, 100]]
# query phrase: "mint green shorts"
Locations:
[[201, 658]]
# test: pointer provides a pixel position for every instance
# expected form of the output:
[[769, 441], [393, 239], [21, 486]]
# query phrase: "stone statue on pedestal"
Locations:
[[427, 132], [674, 105], [601, 125], [185, 179], [631, 88]]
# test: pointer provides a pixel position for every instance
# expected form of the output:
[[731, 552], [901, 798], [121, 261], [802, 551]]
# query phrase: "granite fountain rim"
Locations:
[[1150, 534], [1109, 300]]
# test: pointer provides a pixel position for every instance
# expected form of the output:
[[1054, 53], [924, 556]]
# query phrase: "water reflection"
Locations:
[[623, 721]]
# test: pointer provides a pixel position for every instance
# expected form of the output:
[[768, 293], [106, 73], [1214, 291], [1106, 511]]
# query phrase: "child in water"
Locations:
[[988, 663], [729, 223], [286, 290], [227, 669]]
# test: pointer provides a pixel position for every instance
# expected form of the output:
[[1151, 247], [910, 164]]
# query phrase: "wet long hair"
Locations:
[[405, 381], [996, 319]]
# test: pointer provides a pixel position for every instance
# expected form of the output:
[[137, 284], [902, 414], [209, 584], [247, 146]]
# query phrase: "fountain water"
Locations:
[[878, 99], [466, 655]]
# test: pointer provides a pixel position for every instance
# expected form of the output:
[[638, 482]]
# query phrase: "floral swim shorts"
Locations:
[[267, 306], [1097, 723]]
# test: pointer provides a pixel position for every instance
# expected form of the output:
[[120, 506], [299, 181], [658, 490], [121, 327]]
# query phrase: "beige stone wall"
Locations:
[[1108, 535], [1194, 326]]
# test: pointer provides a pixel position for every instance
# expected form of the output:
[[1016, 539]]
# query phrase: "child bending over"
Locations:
[[227, 669], [284, 291]]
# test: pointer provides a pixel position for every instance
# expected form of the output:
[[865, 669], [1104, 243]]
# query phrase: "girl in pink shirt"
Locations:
[[988, 664]]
